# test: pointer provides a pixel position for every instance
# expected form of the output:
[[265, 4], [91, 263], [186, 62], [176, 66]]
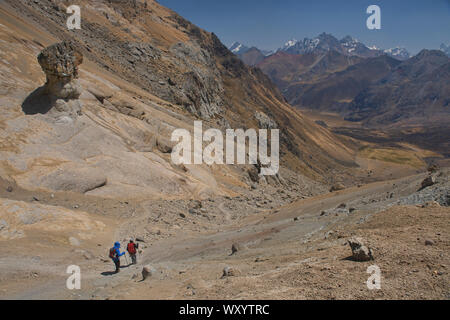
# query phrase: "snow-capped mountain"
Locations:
[[238, 48], [445, 49], [354, 47], [325, 43], [398, 53], [322, 43], [347, 46]]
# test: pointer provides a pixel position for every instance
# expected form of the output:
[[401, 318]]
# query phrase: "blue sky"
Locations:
[[267, 24]]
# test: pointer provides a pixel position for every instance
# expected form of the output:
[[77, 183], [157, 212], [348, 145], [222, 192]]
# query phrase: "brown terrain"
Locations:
[[85, 161]]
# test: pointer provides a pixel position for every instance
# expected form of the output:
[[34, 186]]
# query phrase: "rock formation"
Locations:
[[60, 63]]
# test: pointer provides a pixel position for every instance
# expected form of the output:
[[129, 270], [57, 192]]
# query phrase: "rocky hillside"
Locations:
[[145, 72], [414, 92], [288, 70], [333, 91]]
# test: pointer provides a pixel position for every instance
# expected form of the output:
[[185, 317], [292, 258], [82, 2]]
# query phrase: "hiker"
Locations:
[[114, 254], [132, 250]]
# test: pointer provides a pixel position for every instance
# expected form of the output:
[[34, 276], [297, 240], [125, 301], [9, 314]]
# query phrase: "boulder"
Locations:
[[147, 271], [164, 145], [235, 248], [337, 187], [229, 272], [342, 206], [60, 63], [62, 90], [359, 250], [253, 174], [428, 182]]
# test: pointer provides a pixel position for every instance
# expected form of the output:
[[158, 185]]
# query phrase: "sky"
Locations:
[[268, 24]]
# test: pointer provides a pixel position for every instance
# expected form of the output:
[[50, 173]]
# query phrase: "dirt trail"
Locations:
[[258, 233], [183, 259]]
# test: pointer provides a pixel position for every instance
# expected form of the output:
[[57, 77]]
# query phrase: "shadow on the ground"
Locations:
[[110, 273], [37, 102]]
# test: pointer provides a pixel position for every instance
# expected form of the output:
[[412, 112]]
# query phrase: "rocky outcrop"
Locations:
[[60, 63], [62, 89], [264, 121], [428, 182]]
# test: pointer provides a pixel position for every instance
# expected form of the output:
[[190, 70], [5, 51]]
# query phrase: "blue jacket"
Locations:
[[118, 254]]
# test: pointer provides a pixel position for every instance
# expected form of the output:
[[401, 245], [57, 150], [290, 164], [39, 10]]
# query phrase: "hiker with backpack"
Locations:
[[114, 254], [132, 250]]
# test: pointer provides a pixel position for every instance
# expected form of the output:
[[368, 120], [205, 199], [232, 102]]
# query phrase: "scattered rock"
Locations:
[[3, 225], [9, 189], [253, 174], [147, 271], [235, 248], [337, 187], [351, 210], [196, 204], [429, 242], [342, 206], [228, 272], [140, 239], [182, 215], [359, 250], [164, 145], [432, 204]]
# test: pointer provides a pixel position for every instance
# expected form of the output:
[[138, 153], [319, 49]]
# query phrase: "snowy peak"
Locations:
[[446, 49], [347, 46], [325, 43], [398, 53], [289, 44], [238, 48]]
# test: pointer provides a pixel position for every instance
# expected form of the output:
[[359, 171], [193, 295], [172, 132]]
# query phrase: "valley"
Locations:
[[86, 160]]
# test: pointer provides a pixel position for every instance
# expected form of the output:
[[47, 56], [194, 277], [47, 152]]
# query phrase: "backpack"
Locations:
[[131, 248], [112, 253]]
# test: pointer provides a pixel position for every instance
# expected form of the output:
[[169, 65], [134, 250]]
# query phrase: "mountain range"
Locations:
[[323, 43], [377, 87]]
